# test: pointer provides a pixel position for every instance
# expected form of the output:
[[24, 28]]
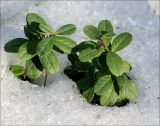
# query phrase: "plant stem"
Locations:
[[45, 79]]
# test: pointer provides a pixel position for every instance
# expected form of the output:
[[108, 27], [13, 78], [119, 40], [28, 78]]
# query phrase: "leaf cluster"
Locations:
[[100, 74], [39, 46]]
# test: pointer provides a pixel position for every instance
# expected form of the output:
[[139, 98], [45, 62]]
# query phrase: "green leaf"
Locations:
[[75, 49], [109, 98], [37, 63], [92, 32], [23, 53], [31, 47], [73, 73], [84, 84], [37, 23], [89, 54], [86, 44], [13, 45], [100, 62], [88, 51], [66, 29], [17, 70], [29, 33], [127, 88], [106, 38], [103, 84], [100, 73], [50, 62], [45, 28], [44, 46], [105, 88], [105, 26], [64, 44], [88, 94], [116, 65], [121, 41], [31, 70], [73, 58], [70, 71], [57, 49]]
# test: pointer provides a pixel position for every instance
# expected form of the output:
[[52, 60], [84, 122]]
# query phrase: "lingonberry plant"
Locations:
[[100, 74], [38, 49]]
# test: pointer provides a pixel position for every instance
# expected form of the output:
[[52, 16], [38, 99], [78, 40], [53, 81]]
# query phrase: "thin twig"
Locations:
[[45, 79]]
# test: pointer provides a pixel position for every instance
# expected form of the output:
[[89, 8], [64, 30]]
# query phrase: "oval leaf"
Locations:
[[89, 54], [29, 33], [13, 45], [116, 65], [50, 62], [31, 70], [66, 29], [64, 44], [103, 84], [23, 53], [37, 23], [92, 32], [121, 41], [106, 38], [109, 98], [127, 88], [100, 62], [44, 46], [105, 26], [17, 70], [73, 58], [37, 63], [88, 94], [86, 44]]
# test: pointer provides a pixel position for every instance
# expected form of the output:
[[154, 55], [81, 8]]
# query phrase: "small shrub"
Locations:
[[100, 74], [38, 49]]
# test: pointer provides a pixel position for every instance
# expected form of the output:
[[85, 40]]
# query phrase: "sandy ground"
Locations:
[[60, 102]]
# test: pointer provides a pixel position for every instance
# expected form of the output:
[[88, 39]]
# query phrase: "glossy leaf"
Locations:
[[37, 23], [66, 29], [105, 26], [103, 84], [121, 41], [13, 45], [116, 65], [31, 47], [37, 63], [29, 34], [109, 98], [23, 53], [127, 88], [100, 62], [88, 94], [63, 43], [89, 54], [44, 46], [17, 70], [31, 70], [86, 44], [106, 38], [50, 62], [73, 58], [92, 32]]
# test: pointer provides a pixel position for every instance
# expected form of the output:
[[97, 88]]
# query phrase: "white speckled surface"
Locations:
[[60, 102]]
